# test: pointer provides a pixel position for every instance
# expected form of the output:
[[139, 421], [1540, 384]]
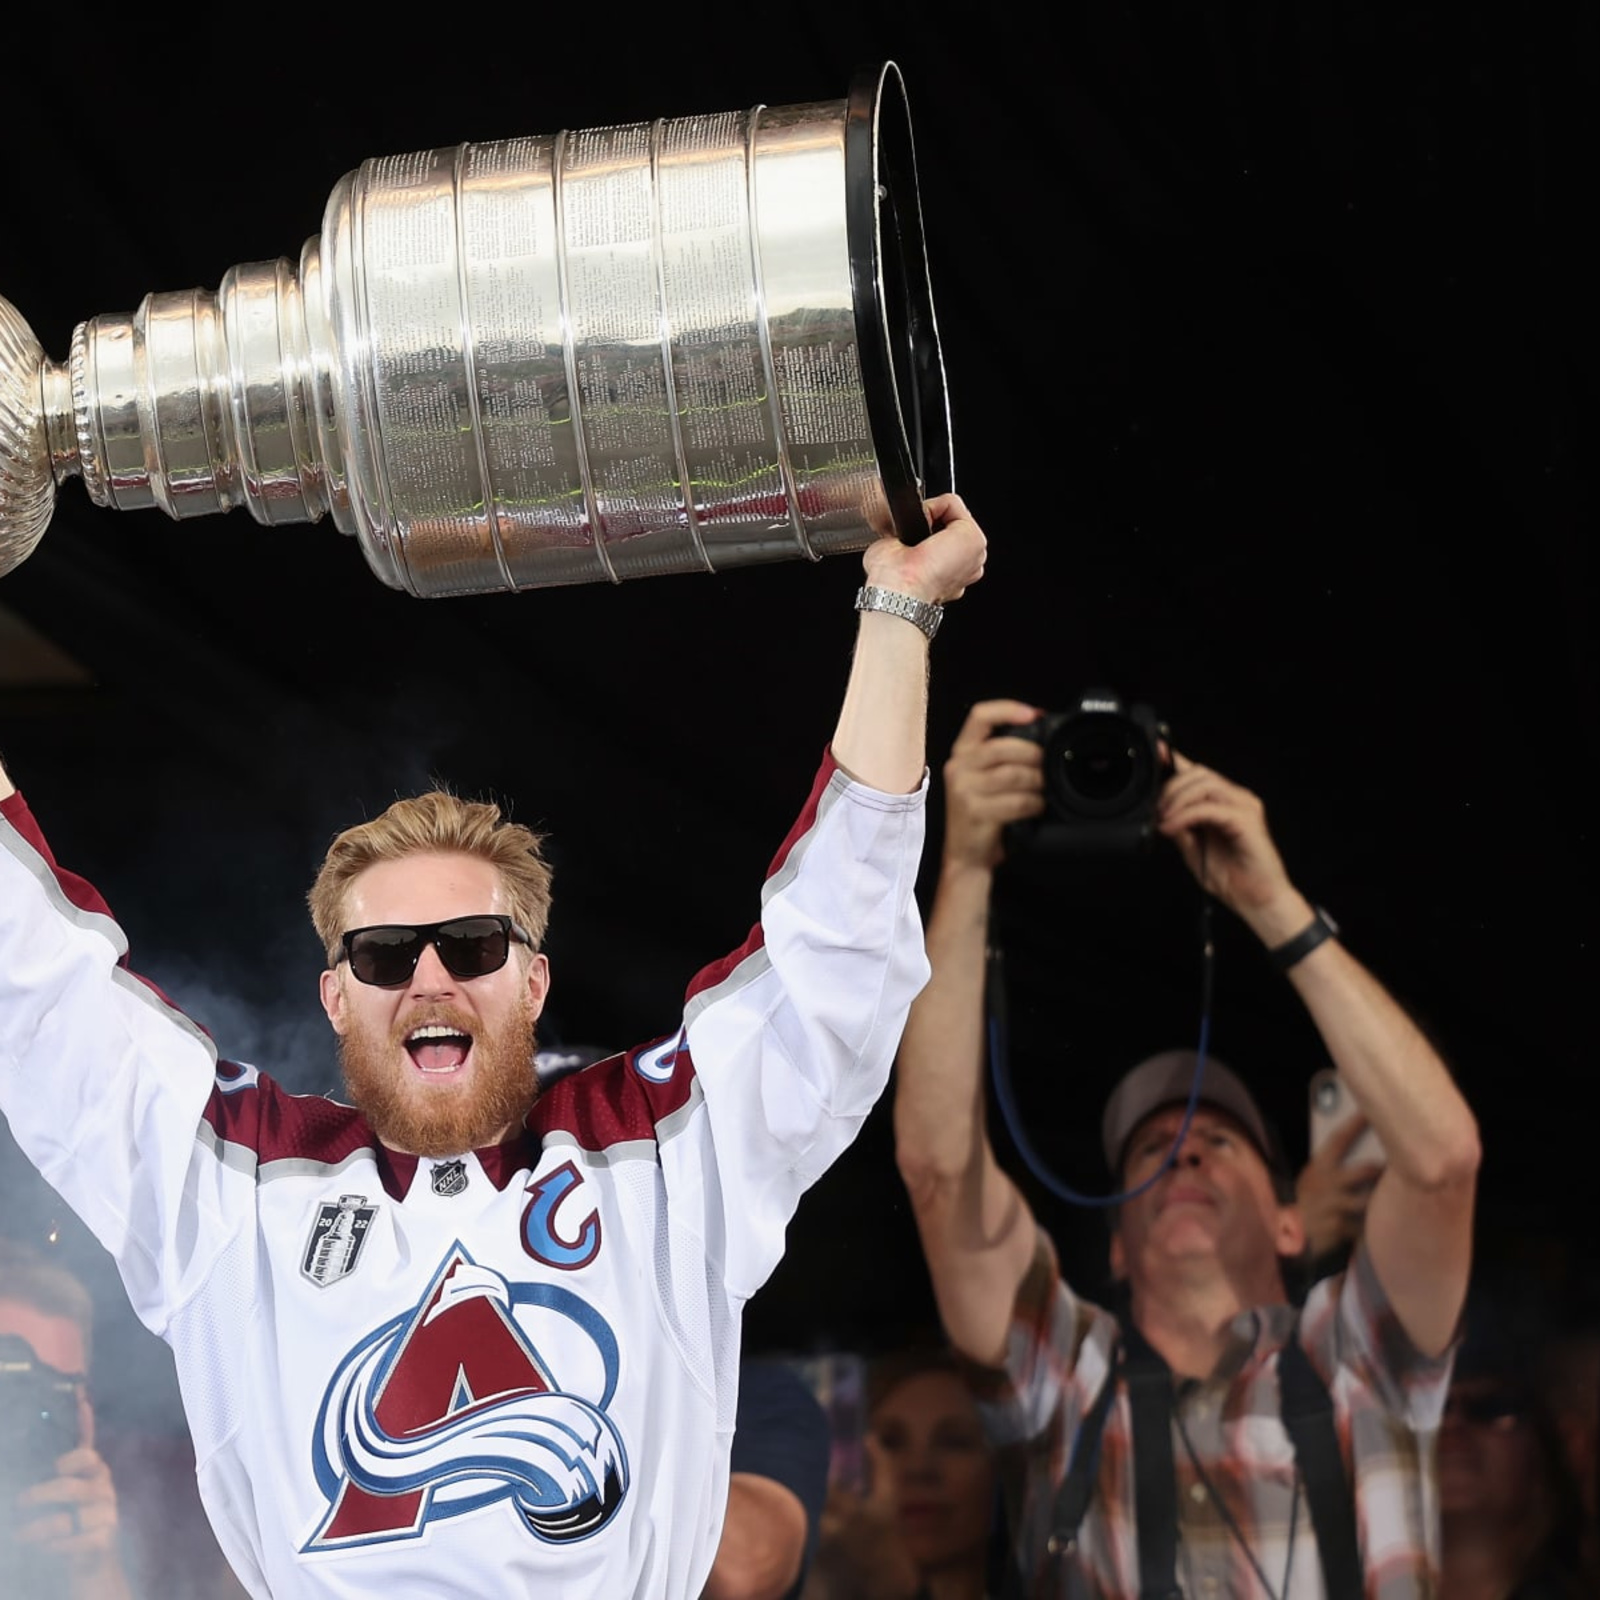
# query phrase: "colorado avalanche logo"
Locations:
[[450, 1408]]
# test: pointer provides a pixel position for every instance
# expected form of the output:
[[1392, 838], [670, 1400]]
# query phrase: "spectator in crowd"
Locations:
[[1571, 1390], [1202, 1422], [926, 1525], [67, 1530], [1509, 1503], [60, 1532]]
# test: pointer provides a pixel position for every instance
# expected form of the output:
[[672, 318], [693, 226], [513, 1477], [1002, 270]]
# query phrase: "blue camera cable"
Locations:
[[1000, 1074]]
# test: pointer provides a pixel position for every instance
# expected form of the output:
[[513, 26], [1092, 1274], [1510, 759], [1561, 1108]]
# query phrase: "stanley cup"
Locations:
[[670, 346]]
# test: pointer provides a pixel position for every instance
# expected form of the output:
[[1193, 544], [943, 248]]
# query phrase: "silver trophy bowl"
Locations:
[[671, 346]]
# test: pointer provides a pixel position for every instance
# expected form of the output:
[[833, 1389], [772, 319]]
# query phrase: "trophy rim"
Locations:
[[908, 410]]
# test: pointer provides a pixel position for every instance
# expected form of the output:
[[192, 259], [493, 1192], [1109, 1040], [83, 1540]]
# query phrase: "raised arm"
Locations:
[[881, 739], [978, 1233], [792, 1035], [103, 1082], [1419, 1221]]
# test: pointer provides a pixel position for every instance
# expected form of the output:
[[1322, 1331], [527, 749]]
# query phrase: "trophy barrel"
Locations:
[[599, 354]]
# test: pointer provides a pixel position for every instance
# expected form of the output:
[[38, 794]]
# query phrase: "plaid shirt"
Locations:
[[1387, 1399]]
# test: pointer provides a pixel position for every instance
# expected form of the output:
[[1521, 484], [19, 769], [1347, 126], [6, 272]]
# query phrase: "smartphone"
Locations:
[[1332, 1106], [839, 1381]]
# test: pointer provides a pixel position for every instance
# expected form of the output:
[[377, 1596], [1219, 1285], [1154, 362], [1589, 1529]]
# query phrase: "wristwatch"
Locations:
[[924, 614], [1321, 928]]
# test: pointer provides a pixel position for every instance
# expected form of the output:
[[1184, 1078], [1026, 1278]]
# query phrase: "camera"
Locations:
[[38, 1417], [1103, 771]]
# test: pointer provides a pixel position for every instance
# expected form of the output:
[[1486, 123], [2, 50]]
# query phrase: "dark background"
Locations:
[[1269, 340]]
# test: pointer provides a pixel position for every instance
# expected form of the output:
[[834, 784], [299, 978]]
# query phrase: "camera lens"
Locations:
[[1100, 764]]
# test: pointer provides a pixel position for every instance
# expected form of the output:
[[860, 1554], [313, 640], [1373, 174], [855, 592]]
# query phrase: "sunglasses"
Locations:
[[470, 947]]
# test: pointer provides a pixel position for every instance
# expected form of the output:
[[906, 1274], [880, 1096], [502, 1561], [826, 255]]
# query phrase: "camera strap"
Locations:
[[1155, 1481], [1306, 1408]]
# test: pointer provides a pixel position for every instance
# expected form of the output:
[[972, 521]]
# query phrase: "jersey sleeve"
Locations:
[[792, 1035], [103, 1081]]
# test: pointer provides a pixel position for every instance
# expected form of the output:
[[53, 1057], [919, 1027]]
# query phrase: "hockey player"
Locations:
[[460, 1337]]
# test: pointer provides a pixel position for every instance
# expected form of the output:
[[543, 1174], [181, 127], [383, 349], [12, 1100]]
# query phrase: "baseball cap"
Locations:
[[1167, 1079]]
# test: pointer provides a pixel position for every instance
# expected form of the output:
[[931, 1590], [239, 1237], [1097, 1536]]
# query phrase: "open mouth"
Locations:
[[438, 1050]]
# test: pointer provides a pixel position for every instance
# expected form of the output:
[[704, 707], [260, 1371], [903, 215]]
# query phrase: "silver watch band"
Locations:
[[924, 614]]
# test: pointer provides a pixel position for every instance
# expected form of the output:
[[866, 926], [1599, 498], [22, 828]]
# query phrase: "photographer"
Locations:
[[59, 1529], [1182, 1444]]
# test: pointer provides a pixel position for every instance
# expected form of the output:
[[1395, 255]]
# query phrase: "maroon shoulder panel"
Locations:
[[619, 1099], [709, 977], [247, 1108]]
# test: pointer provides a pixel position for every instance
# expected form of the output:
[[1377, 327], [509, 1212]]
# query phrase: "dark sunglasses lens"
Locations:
[[473, 946], [385, 956]]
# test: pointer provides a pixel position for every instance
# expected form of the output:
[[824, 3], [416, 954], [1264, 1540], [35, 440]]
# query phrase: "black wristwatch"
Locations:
[[1321, 928]]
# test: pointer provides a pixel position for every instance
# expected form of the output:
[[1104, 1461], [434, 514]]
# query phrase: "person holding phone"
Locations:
[[925, 1525], [1203, 1431], [1334, 1188]]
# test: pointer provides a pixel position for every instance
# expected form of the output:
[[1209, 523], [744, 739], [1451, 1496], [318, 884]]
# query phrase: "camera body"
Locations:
[[38, 1418], [1103, 771]]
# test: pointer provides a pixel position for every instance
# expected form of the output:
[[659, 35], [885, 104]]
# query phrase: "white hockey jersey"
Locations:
[[511, 1373]]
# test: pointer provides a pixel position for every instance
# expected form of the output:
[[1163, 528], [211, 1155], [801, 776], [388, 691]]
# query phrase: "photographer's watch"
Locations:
[[1322, 927]]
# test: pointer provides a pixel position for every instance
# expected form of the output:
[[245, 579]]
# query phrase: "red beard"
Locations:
[[408, 1113]]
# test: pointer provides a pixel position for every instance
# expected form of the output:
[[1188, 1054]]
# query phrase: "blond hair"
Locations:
[[436, 823]]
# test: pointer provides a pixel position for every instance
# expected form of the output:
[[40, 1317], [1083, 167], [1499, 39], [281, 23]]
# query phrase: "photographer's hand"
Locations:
[[1220, 829], [989, 780], [74, 1516]]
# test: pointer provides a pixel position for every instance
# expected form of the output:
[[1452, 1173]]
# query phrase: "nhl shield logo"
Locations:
[[449, 1177], [337, 1235]]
